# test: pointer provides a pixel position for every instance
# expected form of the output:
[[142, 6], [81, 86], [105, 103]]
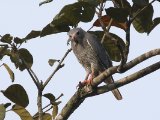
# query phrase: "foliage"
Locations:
[[122, 15]]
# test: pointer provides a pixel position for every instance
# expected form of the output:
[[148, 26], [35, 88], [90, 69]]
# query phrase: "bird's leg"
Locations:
[[83, 83], [88, 80]]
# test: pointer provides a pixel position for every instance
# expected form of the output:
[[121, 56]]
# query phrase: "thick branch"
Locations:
[[127, 66], [126, 80], [80, 96]]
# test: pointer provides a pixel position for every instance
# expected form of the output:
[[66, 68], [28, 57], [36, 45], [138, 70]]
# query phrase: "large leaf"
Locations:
[[22, 58], [9, 71], [18, 40], [17, 94], [32, 34], [52, 29], [110, 44], [14, 56], [106, 20], [70, 15], [156, 21], [92, 2], [46, 116], [121, 4], [2, 111], [4, 51], [7, 38], [26, 57], [140, 2], [50, 96], [143, 22], [74, 13], [22, 112], [119, 14]]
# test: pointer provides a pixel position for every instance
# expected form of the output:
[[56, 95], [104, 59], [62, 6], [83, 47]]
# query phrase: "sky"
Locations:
[[140, 98]]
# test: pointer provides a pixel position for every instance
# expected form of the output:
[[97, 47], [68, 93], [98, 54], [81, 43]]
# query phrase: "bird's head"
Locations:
[[76, 35]]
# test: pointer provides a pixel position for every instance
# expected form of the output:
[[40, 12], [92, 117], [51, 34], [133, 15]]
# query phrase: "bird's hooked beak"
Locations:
[[72, 38]]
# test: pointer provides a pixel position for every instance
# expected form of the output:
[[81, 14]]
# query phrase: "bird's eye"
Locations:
[[70, 36], [78, 33]]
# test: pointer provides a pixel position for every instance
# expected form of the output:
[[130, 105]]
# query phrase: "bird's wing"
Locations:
[[100, 51]]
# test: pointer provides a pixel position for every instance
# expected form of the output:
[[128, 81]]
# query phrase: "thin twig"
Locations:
[[34, 80], [46, 106], [57, 68], [35, 76], [48, 109], [59, 96]]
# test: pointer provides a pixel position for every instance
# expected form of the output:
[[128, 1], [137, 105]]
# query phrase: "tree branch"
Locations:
[[126, 80], [112, 70], [57, 68], [81, 94]]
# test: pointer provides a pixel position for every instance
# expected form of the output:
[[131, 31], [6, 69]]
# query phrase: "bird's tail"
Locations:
[[115, 92]]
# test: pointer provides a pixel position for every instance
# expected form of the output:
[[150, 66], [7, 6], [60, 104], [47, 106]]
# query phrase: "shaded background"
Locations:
[[140, 99]]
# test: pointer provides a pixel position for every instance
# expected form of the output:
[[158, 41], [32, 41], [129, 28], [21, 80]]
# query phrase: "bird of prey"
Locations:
[[91, 55]]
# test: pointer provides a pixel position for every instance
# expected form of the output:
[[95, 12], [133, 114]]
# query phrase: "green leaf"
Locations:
[[17, 94], [44, 2], [26, 57], [156, 21], [119, 14], [143, 22], [46, 116], [52, 61], [110, 44], [55, 111], [7, 38], [9, 71], [52, 29], [18, 40], [14, 57], [121, 4], [92, 2], [74, 13], [50, 96], [4, 51], [2, 112], [7, 105], [140, 2], [22, 112], [22, 58], [87, 12], [32, 34], [70, 15]]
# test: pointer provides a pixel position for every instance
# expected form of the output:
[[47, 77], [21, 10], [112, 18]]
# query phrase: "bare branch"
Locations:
[[126, 80], [57, 68], [112, 70], [33, 78]]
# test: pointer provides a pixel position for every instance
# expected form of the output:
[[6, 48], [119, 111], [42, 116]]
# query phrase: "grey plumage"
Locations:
[[91, 54]]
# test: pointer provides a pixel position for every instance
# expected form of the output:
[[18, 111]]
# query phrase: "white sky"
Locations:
[[140, 99]]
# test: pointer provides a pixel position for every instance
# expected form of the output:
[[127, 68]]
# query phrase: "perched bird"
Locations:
[[91, 55]]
